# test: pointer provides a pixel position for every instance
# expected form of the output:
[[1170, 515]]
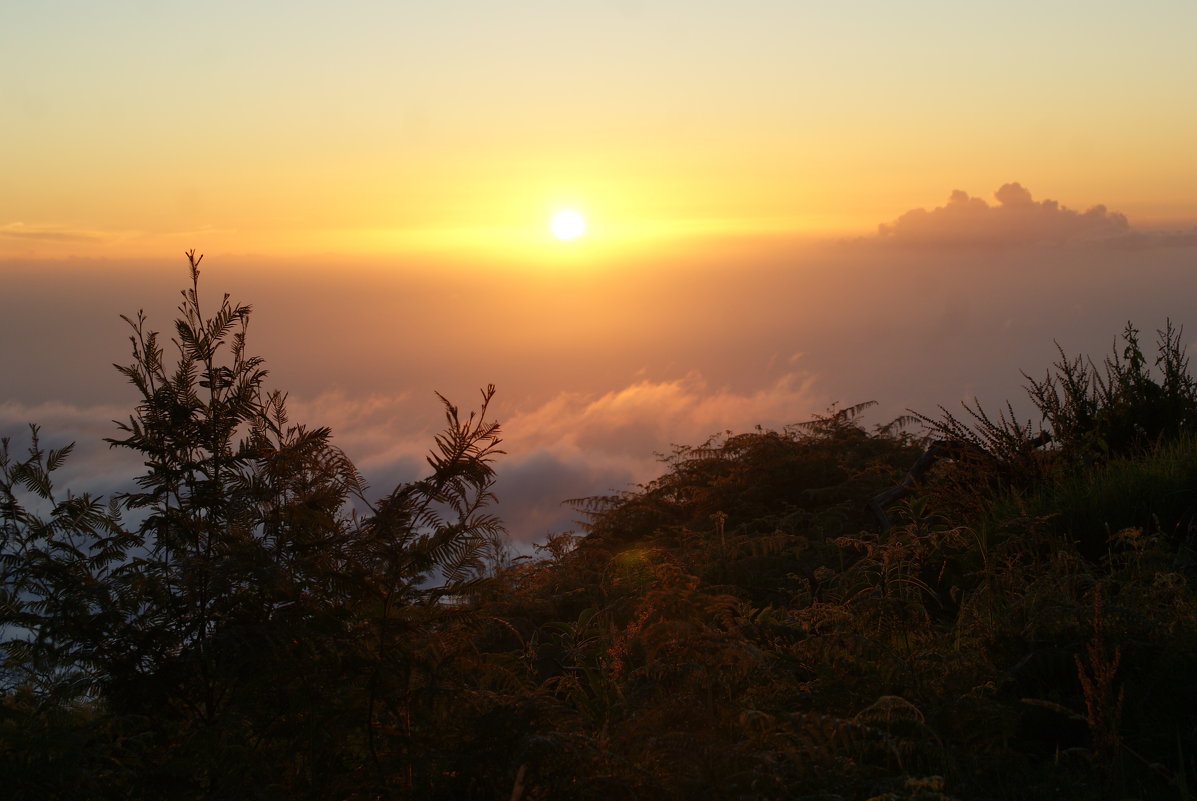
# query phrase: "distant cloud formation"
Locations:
[[615, 426], [603, 369], [46, 233], [578, 444], [1016, 219], [94, 467], [572, 444]]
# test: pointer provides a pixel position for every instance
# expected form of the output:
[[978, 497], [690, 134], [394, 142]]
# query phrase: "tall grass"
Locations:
[[1154, 491]]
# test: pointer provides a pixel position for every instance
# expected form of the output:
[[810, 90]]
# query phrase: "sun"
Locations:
[[567, 224]]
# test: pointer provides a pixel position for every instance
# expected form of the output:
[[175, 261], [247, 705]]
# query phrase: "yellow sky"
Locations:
[[137, 128]]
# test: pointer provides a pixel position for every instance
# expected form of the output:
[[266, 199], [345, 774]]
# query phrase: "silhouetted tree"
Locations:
[[251, 636]]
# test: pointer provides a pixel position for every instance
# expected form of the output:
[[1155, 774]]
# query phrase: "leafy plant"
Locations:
[[252, 634], [1098, 414]]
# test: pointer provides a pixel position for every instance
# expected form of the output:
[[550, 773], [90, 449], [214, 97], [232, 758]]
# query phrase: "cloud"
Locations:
[[93, 466], [375, 430], [51, 241], [46, 233], [569, 445], [579, 444], [600, 371], [1016, 219], [532, 491], [628, 425], [1139, 240]]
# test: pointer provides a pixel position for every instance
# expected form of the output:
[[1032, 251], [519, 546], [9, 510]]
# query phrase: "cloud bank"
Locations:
[[93, 467], [1016, 219], [613, 427], [573, 444], [602, 366]]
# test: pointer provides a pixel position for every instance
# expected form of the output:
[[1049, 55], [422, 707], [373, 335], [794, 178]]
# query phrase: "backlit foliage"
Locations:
[[245, 623], [248, 636]]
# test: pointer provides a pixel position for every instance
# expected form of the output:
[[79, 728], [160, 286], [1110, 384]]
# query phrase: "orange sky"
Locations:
[[134, 128], [600, 370], [790, 205]]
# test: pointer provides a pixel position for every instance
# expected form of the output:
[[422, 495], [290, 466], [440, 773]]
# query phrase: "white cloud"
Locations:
[[573, 444], [578, 444], [647, 416]]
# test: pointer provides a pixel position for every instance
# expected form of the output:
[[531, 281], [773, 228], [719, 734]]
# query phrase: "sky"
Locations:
[[789, 205]]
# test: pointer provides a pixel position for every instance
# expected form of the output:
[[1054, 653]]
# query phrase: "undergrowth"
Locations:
[[1021, 624]]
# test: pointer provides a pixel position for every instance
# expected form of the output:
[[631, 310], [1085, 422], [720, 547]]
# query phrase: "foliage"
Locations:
[[970, 651], [249, 637], [1095, 415], [736, 628], [1099, 425]]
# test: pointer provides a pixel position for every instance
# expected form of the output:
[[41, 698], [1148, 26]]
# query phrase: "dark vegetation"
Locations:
[[739, 628]]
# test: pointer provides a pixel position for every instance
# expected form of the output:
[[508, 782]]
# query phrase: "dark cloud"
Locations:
[[532, 493], [1016, 219]]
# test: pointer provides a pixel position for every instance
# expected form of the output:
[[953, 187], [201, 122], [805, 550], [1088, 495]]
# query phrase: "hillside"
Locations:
[[1019, 623], [740, 628]]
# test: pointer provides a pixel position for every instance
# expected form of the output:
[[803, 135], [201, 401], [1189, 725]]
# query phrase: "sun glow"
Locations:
[[567, 224]]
